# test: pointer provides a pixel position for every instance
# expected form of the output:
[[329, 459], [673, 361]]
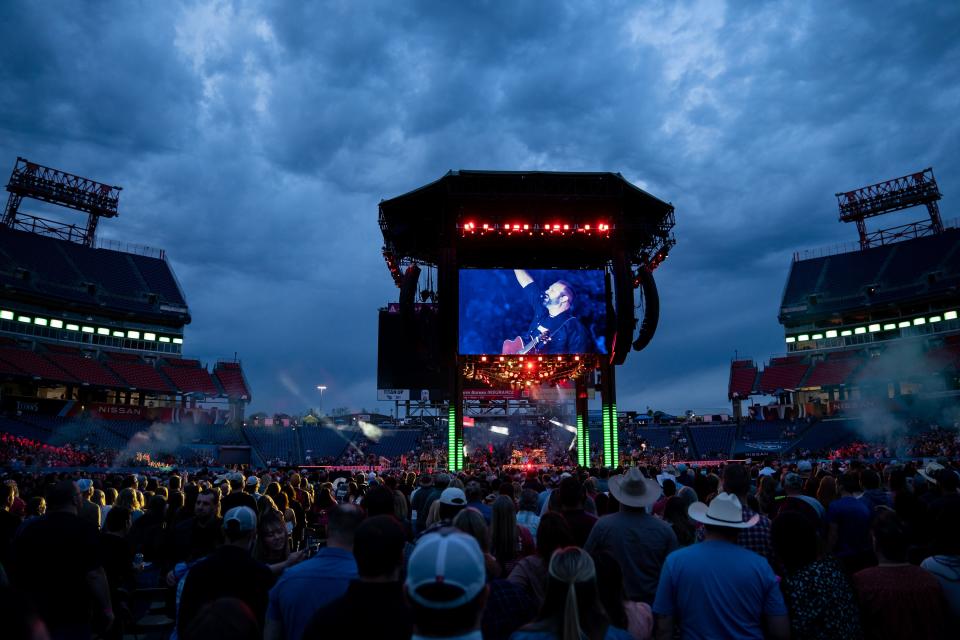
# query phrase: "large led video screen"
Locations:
[[519, 311]]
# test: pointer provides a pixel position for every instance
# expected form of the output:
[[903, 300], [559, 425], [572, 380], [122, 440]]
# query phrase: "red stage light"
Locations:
[[557, 227], [526, 227], [566, 227], [529, 365], [587, 227], [483, 358], [485, 227], [516, 227]]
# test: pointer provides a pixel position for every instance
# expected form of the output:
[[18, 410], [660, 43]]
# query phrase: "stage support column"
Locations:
[[611, 427], [455, 428], [448, 290], [583, 423]]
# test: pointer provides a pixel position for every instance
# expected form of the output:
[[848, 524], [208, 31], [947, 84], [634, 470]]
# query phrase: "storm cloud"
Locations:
[[255, 139]]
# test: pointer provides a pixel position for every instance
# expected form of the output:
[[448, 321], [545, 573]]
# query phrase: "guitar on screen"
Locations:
[[518, 347]]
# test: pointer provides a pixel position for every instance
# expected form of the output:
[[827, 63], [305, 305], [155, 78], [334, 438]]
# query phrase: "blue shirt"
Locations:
[[852, 517], [718, 590], [306, 587]]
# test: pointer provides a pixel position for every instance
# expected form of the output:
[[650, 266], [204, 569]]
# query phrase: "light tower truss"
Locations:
[[32, 180], [905, 192]]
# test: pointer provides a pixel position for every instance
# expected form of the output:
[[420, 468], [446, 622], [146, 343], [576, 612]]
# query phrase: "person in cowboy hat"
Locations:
[[718, 589], [638, 540]]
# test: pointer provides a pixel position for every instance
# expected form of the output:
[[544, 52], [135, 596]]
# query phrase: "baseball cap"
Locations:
[[793, 481], [244, 517], [84, 484], [804, 466], [447, 557], [454, 496], [252, 481]]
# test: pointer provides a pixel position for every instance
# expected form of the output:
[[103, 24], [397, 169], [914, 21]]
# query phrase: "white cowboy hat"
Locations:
[[724, 511], [634, 489], [930, 471]]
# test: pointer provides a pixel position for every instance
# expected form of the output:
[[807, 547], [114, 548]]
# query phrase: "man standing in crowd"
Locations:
[[572, 500], [898, 599], [88, 510], [198, 536], [848, 519], [717, 588], [639, 541], [56, 561], [736, 480], [446, 586], [229, 572], [378, 549], [796, 501], [303, 589]]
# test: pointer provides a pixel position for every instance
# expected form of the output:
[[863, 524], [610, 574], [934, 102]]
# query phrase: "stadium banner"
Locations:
[[39, 406], [128, 412], [491, 394], [393, 394]]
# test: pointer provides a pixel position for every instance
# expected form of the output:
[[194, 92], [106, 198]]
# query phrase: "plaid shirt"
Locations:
[[756, 538]]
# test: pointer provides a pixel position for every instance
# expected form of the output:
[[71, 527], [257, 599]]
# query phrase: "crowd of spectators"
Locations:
[[838, 549], [18, 451]]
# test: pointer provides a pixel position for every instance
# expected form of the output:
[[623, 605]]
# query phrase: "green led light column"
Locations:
[[583, 432], [611, 445], [615, 434], [452, 436]]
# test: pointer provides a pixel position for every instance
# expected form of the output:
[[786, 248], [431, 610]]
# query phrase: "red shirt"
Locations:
[[900, 602]]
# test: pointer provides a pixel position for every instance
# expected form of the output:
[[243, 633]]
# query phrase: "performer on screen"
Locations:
[[554, 328]]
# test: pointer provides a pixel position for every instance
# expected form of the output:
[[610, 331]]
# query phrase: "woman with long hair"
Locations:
[[675, 514], [530, 573], [767, 495], [507, 538], [273, 543], [572, 608], [827, 492]]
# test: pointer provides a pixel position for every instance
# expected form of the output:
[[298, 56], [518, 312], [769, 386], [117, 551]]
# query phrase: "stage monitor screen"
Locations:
[[517, 311]]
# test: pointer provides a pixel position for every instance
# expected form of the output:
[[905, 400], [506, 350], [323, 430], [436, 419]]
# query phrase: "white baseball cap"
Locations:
[[446, 557]]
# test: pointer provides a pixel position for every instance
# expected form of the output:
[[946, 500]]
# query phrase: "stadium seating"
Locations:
[[823, 435], [755, 430], [64, 270], [324, 442], [899, 270], [86, 370], [230, 377], [394, 443], [109, 270], [140, 376], [713, 440], [34, 364], [190, 379], [778, 377], [121, 356], [743, 374], [274, 442], [832, 372]]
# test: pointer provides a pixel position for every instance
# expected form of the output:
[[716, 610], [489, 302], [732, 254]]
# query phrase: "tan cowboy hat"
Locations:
[[724, 511], [634, 489]]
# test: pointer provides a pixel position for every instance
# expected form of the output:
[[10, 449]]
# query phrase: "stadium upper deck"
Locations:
[[101, 326], [880, 321]]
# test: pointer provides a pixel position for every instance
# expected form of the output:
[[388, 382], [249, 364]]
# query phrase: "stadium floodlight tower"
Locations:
[[913, 190], [539, 279], [31, 180]]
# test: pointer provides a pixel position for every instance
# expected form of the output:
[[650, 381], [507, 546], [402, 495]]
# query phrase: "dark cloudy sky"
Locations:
[[254, 141]]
